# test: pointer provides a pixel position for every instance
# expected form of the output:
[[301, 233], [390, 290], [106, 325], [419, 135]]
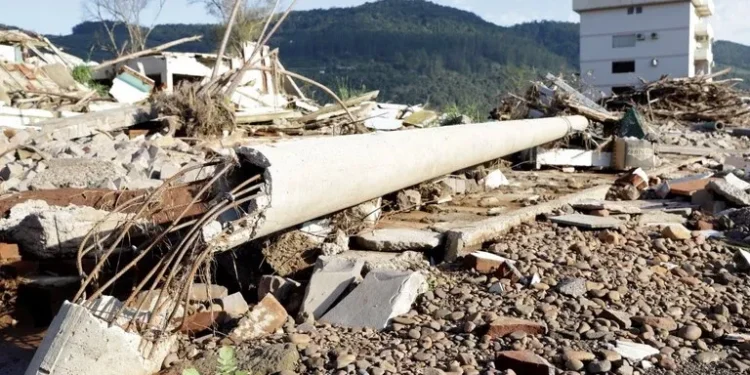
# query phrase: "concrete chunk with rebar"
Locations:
[[313, 177]]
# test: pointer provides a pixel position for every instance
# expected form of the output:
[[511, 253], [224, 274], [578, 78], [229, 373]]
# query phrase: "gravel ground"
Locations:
[[692, 286]]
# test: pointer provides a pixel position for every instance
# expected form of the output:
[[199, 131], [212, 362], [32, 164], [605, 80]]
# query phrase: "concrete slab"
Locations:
[[331, 277], [730, 192], [587, 221], [398, 240], [76, 173], [612, 207], [51, 231], [378, 260], [79, 343], [635, 352], [382, 296]]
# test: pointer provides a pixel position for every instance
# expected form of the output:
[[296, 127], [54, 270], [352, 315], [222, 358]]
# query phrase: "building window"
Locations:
[[635, 10], [623, 41], [619, 67]]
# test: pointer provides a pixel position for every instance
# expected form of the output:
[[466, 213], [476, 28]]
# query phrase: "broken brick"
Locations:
[[485, 263], [704, 225], [9, 253], [523, 362], [263, 319], [505, 326], [201, 321]]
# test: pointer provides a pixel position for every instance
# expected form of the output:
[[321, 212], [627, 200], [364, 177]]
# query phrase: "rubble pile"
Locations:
[[231, 224], [689, 100]]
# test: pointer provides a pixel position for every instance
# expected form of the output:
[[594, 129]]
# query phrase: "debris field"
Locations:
[[229, 223]]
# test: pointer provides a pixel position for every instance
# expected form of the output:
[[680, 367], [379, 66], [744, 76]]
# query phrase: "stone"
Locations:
[[667, 324], [9, 253], [572, 287], [49, 232], [76, 173], [587, 221], [730, 192], [578, 355], [621, 318], [574, 365], [486, 263], [634, 352], [90, 345], [742, 260], [263, 319], [331, 277], [281, 287], [382, 296], [207, 292], [398, 239], [690, 333], [168, 170], [494, 180], [234, 305], [409, 200], [268, 360], [599, 367], [504, 326], [660, 218], [523, 362], [676, 232], [11, 170], [707, 357]]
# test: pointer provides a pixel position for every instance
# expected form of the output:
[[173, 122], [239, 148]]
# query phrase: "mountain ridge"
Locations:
[[414, 51]]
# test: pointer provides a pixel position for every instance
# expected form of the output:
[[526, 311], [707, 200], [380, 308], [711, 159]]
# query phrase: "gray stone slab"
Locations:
[[398, 239], [331, 277], [378, 260], [660, 218], [586, 221], [382, 296], [730, 192]]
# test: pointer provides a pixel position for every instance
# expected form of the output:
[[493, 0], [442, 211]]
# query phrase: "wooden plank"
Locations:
[[317, 115], [250, 118]]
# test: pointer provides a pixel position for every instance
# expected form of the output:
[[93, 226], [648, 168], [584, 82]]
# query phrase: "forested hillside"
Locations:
[[413, 51]]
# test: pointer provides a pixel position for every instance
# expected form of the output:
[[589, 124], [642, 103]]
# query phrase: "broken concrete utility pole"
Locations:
[[313, 177]]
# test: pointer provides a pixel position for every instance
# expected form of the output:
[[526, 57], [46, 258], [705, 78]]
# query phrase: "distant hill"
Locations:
[[413, 51]]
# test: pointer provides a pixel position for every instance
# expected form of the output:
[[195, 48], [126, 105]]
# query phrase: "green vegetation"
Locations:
[[82, 74], [345, 90], [413, 51], [227, 364]]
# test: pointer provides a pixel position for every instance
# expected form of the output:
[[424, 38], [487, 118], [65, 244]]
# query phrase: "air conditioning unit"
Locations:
[[640, 36]]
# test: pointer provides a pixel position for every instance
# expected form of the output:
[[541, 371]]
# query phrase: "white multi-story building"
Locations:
[[625, 40]]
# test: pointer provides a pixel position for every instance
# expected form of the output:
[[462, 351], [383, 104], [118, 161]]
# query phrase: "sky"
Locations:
[[59, 16]]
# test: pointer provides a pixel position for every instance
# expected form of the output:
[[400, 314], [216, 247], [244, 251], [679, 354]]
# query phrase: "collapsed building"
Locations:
[[126, 225]]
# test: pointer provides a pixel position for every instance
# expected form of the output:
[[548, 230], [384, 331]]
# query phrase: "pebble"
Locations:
[[690, 333], [599, 367]]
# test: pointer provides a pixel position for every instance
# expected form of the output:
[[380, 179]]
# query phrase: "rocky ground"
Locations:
[[680, 297]]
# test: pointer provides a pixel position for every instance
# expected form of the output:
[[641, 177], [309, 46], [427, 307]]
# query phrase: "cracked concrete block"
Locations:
[[331, 277], [234, 305], [378, 260], [168, 170], [398, 240], [382, 296], [52, 231], [76, 173], [730, 192], [79, 343], [263, 319]]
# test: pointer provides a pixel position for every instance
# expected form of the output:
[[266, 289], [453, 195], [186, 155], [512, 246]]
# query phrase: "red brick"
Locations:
[[505, 326], [688, 188], [263, 319], [704, 225], [523, 362], [486, 263], [9, 253], [202, 321]]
